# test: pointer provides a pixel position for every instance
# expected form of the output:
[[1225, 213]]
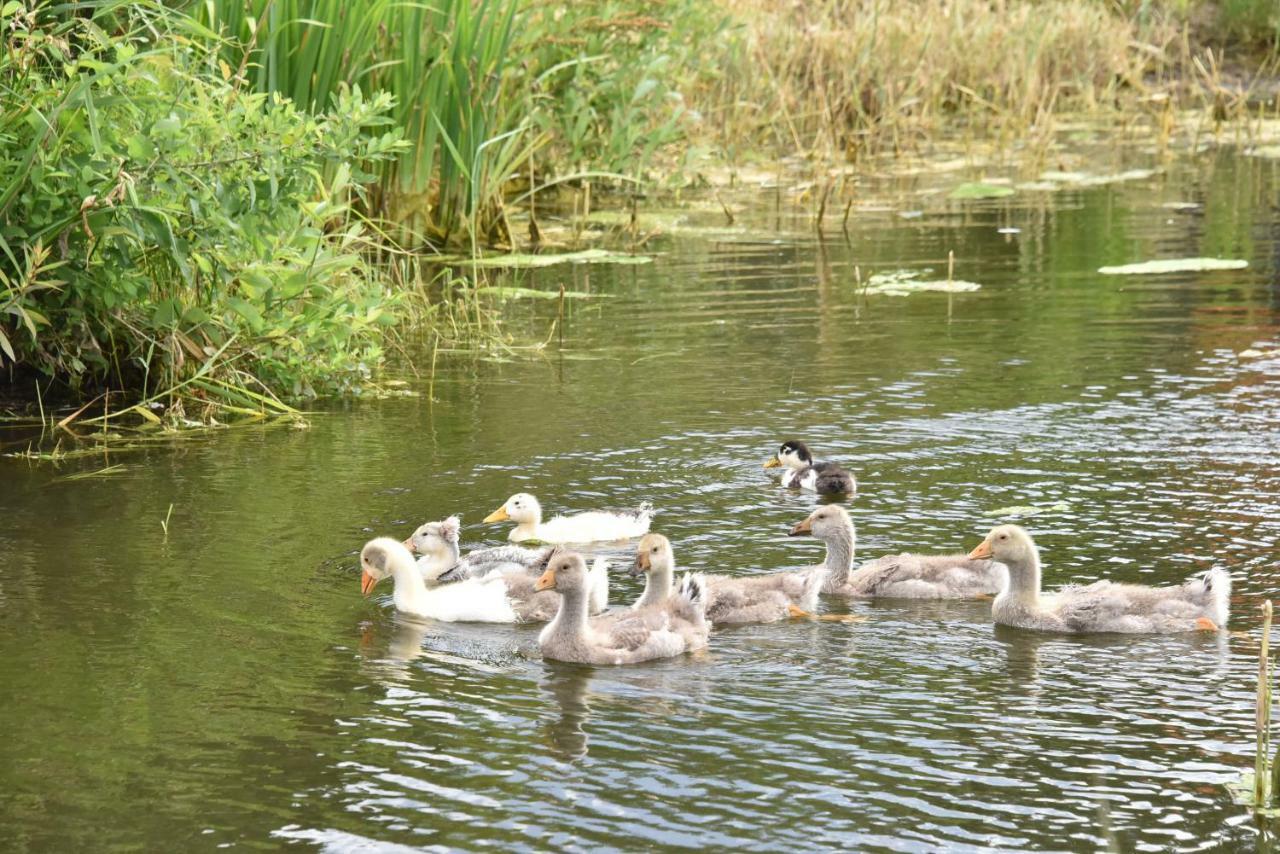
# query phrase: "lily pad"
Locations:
[[1174, 265], [1029, 509], [1086, 179], [1241, 791], [507, 292], [586, 256], [900, 283], [980, 190]]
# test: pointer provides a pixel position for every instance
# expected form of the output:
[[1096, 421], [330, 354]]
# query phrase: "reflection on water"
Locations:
[[229, 685]]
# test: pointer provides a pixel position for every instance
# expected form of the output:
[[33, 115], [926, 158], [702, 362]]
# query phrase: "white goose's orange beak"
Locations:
[[367, 582], [499, 515], [408, 544], [546, 581], [982, 550]]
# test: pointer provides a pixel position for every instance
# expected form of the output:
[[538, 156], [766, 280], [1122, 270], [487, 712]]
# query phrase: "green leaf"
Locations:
[[979, 190]]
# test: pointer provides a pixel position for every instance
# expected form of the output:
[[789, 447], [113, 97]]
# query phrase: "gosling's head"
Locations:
[[793, 454], [433, 537], [826, 522], [653, 553], [519, 508], [377, 560], [1009, 544], [566, 572]]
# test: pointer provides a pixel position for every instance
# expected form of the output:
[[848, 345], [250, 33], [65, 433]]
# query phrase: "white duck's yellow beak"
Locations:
[[499, 515]]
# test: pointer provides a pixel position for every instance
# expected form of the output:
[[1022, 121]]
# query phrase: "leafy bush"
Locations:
[[156, 220]]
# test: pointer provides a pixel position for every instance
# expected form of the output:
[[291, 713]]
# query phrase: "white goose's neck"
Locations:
[[570, 623], [1024, 579], [839, 563], [657, 585], [410, 592]]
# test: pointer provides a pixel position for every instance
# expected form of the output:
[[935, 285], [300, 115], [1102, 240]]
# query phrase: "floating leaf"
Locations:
[[586, 256], [1029, 509], [1174, 265], [1085, 179], [530, 293], [900, 283], [979, 190]]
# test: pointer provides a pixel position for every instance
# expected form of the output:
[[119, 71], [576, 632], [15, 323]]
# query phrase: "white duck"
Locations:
[[480, 600], [662, 630], [441, 561], [752, 599], [590, 527], [904, 576], [1201, 603]]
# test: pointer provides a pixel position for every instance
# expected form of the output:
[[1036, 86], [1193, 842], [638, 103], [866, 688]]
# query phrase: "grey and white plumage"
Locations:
[[904, 576], [661, 630], [439, 545], [1202, 602], [730, 599]]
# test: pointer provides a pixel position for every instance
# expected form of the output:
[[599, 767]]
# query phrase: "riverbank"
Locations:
[[218, 224]]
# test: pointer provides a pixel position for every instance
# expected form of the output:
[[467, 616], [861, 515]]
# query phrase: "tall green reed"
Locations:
[[446, 64]]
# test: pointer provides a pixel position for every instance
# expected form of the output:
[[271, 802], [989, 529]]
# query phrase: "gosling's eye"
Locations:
[[654, 549], [1004, 536]]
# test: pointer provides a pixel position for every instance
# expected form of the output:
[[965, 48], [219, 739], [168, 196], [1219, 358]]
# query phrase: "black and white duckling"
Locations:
[[803, 473]]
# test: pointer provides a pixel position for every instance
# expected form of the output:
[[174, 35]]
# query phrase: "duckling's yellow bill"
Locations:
[[499, 515], [981, 551], [546, 581], [408, 544], [772, 463], [367, 583]]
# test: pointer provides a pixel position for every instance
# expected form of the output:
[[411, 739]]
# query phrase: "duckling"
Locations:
[[480, 600], [438, 544], [1200, 603], [661, 630], [803, 473], [904, 576], [755, 599], [591, 527], [519, 568]]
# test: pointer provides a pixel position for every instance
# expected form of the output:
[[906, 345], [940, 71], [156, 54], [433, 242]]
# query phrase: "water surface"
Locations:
[[226, 685]]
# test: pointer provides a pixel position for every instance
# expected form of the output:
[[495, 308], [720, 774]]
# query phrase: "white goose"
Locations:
[[478, 600]]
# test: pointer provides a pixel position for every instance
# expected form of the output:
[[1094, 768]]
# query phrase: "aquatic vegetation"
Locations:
[[981, 191], [1174, 265], [900, 283], [206, 255], [585, 256]]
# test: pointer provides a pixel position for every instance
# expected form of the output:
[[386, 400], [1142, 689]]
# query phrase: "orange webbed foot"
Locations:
[[1204, 624]]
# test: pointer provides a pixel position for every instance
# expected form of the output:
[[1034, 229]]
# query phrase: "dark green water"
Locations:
[[228, 686]]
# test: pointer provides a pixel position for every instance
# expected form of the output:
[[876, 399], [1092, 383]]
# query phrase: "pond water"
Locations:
[[225, 684]]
